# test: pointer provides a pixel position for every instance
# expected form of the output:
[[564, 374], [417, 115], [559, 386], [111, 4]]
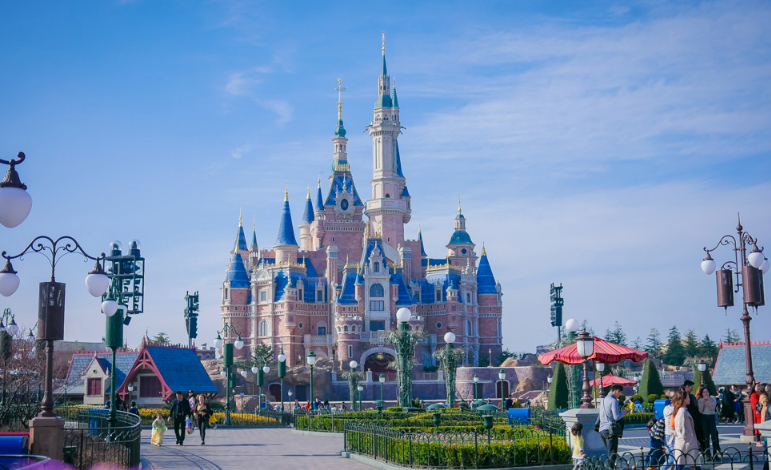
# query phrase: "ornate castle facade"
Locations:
[[338, 290]]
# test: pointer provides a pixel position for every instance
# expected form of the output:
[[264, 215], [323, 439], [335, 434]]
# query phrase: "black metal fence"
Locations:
[[91, 438], [14, 462], [731, 458]]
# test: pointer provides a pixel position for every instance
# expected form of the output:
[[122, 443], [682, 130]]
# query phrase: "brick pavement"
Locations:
[[226, 449]]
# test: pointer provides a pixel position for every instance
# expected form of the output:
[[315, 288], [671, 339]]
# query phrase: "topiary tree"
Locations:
[[651, 398], [696, 380], [650, 383], [558, 392], [706, 380]]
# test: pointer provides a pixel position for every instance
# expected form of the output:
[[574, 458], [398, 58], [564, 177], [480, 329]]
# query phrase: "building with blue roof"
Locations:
[[336, 292]]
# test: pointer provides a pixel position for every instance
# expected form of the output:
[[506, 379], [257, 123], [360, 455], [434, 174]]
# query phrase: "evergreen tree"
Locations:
[[653, 346], [585, 326], [731, 336], [675, 354], [696, 381], [691, 344], [637, 344], [558, 392], [709, 350], [650, 382], [618, 333], [706, 379]]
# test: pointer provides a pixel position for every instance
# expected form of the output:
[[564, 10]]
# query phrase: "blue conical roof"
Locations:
[[340, 130], [286, 229], [240, 243], [254, 238], [237, 272], [384, 72], [308, 214], [396, 100], [319, 199], [485, 279], [420, 237], [398, 161]]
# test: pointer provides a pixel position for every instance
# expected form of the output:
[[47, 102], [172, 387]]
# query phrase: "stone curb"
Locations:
[[338, 435], [379, 464]]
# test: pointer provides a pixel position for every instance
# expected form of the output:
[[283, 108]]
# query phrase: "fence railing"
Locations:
[[730, 458], [91, 438], [472, 448]]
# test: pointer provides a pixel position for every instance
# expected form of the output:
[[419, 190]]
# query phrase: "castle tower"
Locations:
[[286, 244], [460, 250], [306, 242], [489, 295], [254, 249], [389, 208]]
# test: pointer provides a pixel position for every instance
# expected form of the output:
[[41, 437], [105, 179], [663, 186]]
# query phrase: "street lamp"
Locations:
[[360, 388], [476, 382], [311, 359], [702, 365], [353, 381], [51, 299], [404, 342], [228, 331], [449, 358], [282, 374], [501, 378], [381, 379], [600, 367], [15, 202], [749, 272], [585, 349], [131, 391]]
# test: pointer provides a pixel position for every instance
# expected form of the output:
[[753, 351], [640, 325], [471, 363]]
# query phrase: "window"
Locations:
[[263, 296], [463, 251], [438, 295], [350, 351], [376, 267], [300, 325], [376, 291], [376, 326], [94, 387], [226, 293], [263, 328], [319, 296], [149, 387], [438, 324], [300, 295], [322, 330], [376, 306], [468, 298]]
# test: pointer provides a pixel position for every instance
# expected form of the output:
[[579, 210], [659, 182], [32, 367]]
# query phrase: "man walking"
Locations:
[[180, 409], [611, 424]]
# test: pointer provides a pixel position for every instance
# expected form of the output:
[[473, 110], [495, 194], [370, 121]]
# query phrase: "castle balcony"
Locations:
[[317, 340], [375, 337]]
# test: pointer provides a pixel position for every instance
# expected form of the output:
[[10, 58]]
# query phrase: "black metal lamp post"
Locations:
[[228, 331], [600, 368], [476, 383], [585, 349], [360, 388], [51, 299], [353, 381], [749, 270], [15, 202], [381, 379], [501, 378], [282, 374], [311, 359]]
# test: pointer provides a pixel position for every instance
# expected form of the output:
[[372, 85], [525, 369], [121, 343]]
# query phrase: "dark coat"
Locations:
[[180, 409]]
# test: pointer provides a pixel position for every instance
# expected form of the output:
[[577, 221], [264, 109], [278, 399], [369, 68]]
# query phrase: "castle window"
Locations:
[[300, 325], [350, 351], [263, 328], [300, 295], [226, 293], [345, 329], [263, 296], [388, 194], [322, 330], [376, 306], [376, 290], [439, 324], [376, 326], [319, 296], [376, 268], [468, 297]]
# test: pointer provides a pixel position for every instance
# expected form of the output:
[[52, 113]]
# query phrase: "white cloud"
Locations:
[[242, 150]]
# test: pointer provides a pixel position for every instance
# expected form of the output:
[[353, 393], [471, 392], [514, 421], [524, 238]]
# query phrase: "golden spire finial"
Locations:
[[383, 42], [419, 229], [309, 191], [286, 192], [458, 203], [340, 89], [484, 252], [254, 225], [319, 178], [240, 218]]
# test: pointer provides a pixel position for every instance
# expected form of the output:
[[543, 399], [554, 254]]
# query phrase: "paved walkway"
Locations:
[[275, 449]]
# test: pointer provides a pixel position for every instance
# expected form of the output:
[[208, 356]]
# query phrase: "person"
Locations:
[[202, 414], [508, 403], [180, 410], [316, 404], [656, 430], [739, 404], [611, 422], [159, 427], [693, 409], [707, 406], [133, 408], [107, 404], [765, 411], [727, 410], [757, 390], [296, 405], [578, 446], [686, 442], [669, 431], [191, 399], [326, 404]]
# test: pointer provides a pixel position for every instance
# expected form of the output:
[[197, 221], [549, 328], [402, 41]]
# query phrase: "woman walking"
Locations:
[[707, 406], [686, 443], [202, 413]]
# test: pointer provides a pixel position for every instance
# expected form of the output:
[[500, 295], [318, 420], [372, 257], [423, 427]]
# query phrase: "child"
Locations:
[[656, 431], [578, 446], [133, 408], [159, 427]]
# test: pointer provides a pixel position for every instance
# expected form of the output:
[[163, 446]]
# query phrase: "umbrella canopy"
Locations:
[[604, 351], [610, 379], [436, 406]]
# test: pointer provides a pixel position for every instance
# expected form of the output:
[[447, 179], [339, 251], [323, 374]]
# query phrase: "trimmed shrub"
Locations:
[[652, 398], [636, 398], [650, 383], [558, 392]]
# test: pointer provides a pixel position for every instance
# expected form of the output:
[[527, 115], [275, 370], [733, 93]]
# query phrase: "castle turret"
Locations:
[[490, 307], [286, 244], [460, 250], [306, 242]]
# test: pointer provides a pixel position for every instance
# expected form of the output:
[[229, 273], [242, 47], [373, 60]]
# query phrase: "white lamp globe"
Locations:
[[600, 366], [238, 344], [13, 328], [223, 373], [572, 325], [382, 378], [360, 388], [702, 367], [708, 265], [756, 258], [218, 342], [9, 281], [281, 357], [243, 373], [403, 314], [501, 374], [255, 369], [765, 266], [449, 337], [353, 364], [15, 204], [97, 283], [311, 358], [266, 369], [109, 307]]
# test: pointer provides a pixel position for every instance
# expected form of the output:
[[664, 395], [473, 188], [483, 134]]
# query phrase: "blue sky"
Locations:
[[597, 144]]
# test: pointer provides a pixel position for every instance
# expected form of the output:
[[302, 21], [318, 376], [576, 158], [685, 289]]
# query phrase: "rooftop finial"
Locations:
[[383, 42], [459, 204], [340, 89], [309, 191], [484, 252], [254, 225], [240, 218], [319, 178], [419, 229], [286, 192]]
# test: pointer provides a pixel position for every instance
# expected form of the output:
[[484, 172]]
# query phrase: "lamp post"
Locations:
[[360, 388], [404, 342], [585, 347], [311, 359], [701, 365], [501, 378], [749, 270], [600, 367], [476, 382], [549, 379], [15, 202], [353, 381], [450, 357], [381, 379], [227, 352], [131, 392], [282, 374]]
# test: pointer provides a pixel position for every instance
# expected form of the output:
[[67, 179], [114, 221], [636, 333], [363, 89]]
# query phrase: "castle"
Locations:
[[337, 291]]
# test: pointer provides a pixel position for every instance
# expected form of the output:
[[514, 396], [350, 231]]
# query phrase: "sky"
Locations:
[[599, 144]]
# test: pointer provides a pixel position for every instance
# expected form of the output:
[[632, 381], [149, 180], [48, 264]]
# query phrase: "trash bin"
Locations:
[[658, 408]]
